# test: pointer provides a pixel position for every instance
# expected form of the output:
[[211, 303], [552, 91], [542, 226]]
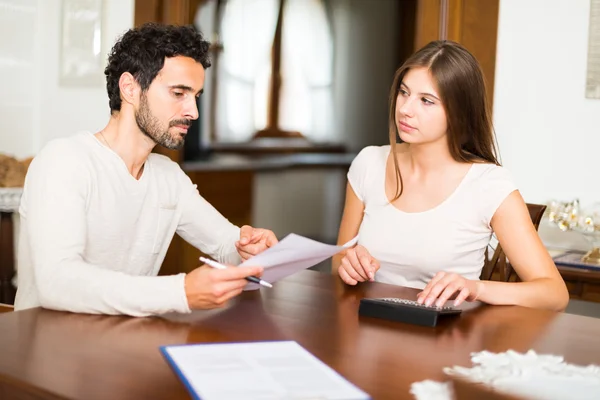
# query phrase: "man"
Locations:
[[99, 210]]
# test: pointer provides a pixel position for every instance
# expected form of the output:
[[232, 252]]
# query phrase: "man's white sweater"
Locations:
[[93, 238]]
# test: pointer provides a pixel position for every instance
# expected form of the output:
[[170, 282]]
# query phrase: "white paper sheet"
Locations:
[[259, 370], [292, 254]]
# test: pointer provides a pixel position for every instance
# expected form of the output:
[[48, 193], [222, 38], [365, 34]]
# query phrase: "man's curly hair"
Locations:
[[142, 51]]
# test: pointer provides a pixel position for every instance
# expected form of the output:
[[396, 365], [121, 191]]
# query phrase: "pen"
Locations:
[[217, 265]]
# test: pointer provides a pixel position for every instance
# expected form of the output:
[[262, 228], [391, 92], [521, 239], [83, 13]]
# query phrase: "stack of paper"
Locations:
[[260, 370]]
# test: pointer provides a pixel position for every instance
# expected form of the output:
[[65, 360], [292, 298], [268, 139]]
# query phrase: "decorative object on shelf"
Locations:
[[573, 259], [528, 375], [571, 216], [12, 171], [563, 214]]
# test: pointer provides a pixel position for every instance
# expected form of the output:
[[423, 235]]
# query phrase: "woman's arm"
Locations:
[[541, 286], [351, 220]]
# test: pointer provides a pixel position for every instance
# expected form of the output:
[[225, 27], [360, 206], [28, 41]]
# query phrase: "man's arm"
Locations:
[[56, 191]]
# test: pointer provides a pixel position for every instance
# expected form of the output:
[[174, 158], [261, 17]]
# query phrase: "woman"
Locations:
[[426, 205]]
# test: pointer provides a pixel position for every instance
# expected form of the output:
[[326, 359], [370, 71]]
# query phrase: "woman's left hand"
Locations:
[[444, 285]]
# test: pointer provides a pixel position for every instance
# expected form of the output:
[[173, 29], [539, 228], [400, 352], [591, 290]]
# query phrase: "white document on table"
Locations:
[[258, 370], [292, 254]]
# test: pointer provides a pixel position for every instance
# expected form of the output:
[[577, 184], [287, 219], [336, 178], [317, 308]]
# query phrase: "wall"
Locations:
[[548, 132], [47, 110], [18, 68]]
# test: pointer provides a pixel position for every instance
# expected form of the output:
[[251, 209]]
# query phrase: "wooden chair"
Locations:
[[6, 308], [498, 268]]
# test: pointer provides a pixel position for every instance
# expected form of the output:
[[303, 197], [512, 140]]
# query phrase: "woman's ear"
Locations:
[[129, 88]]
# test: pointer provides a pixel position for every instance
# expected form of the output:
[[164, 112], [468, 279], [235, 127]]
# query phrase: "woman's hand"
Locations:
[[358, 266], [444, 285]]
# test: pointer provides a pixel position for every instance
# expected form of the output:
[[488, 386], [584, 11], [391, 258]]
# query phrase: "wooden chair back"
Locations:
[[498, 268]]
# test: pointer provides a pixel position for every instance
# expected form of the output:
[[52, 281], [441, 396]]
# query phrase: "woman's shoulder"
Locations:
[[367, 168], [491, 184], [488, 172], [490, 180], [372, 154]]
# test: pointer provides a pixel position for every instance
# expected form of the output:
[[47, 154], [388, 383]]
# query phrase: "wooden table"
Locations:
[[54, 355]]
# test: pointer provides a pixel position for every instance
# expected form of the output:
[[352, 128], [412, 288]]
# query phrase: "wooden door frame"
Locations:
[[473, 23]]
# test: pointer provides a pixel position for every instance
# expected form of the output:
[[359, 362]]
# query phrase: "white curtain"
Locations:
[[244, 68], [307, 66], [247, 32]]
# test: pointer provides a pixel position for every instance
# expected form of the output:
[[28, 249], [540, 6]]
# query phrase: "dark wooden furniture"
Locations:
[[55, 355], [5, 308], [472, 23], [7, 258], [498, 268], [582, 284]]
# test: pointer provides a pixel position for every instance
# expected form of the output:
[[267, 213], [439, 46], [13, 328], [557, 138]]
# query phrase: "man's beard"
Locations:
[[151, 127]]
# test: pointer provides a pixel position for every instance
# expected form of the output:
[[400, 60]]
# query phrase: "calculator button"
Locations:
[[414, 303]]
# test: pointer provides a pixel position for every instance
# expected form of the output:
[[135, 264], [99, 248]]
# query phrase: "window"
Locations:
[[252, 39]]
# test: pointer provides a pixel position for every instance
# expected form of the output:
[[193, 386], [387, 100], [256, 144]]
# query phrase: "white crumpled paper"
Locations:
[[531, 375]]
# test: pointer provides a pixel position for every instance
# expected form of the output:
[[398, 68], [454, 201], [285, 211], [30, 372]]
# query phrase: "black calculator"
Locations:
[[403, 310]]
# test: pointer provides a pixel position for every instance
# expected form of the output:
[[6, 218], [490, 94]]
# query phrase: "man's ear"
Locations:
[[129, 88]]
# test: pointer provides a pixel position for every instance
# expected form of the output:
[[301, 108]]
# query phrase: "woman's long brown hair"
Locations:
[[462, 90]]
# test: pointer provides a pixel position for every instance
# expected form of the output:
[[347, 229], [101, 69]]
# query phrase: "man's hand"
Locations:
[[207, 287], [253, 241]]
